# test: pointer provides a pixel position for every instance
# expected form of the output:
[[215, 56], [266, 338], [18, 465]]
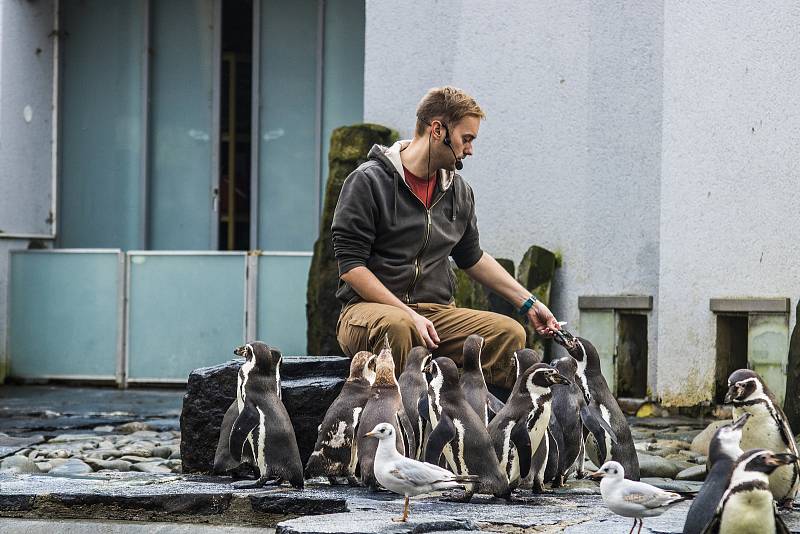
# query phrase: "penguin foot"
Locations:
[[459, 497], [353, 481], [537, 487], [786, 503]]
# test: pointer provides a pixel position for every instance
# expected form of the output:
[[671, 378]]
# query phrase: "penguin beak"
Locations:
[[739, 423], [732, 394], [239, 351], [783, 458], [558, 378], [427, 368], [597, 475]]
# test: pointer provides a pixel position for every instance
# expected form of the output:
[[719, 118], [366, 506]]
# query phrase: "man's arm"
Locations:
[[367, 285], [492, 275]]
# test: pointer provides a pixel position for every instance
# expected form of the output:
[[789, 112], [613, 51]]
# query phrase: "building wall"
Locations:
[[730, 174], [26, 89], [571, 144]]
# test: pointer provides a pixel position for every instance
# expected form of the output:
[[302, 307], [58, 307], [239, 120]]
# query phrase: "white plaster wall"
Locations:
[[26, 79], [569, 156], [730, 174]]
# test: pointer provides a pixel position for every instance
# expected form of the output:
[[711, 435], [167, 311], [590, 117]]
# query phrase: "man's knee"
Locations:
[[510, 333]]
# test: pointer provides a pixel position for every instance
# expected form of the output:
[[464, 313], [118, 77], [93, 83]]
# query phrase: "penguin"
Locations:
[[566, 424], [608, 436], [262, 434], [413, 386], [460, 434], [335, 452], [747, 505], [520, 427], [384, 405], [723, 451], [472, 381], [768, 429], [524, 359]]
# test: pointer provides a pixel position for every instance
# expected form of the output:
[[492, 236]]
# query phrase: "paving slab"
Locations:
[[319, 508]]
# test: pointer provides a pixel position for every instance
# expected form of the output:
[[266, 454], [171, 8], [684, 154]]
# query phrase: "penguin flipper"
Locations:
[[407, 431], [522, 441], [443, 434], [495, 405], [248, 420], [713, 526], [422, 407], [588, 412]]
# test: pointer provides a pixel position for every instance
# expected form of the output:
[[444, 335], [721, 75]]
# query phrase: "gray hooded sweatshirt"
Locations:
[[379, 223]]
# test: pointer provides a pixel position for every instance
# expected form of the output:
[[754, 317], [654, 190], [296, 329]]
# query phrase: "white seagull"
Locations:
[[406, 476], [630, 498]]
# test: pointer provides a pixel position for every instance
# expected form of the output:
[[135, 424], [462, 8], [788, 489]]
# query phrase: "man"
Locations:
[[399, 218]]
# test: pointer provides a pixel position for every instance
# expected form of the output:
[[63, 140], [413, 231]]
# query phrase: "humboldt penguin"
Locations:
[[524, 359], [566, 423], [262, 433], [608, 435], [460, 434], [723, 452], [413, 386], [520, 427], [767, 429], [384, 405], [335, 453], [747, 505], [472, 381]]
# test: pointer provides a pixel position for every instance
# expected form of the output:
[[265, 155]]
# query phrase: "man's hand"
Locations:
[[543, 320], [426, 330]]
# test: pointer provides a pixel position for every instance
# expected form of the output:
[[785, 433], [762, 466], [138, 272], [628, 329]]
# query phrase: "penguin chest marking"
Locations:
[[260, 442], [606, 415], [506, 455], [354, 443], [761, 431], [749, 511], [241, 382], [537, 424], [462, 460]]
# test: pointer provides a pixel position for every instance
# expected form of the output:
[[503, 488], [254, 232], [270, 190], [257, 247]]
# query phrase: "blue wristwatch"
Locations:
[[527, 305]]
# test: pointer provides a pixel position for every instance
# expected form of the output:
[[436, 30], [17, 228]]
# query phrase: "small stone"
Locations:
[[67, 438], [144, 434], [73, 466], [150, 467], [701, 460], [655, 466], [58, 453], [161, 452], [136, 451], [105, 444], [134, 426], [689, 455], [681, 486], [19, 464], [176, 455], [50, 414], [116, 465], [44, 467], [103, 428], [701, 442], [697, 472], [140, 459]]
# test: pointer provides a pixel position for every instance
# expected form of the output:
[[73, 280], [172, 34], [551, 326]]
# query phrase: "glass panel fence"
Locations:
[[282, 283]]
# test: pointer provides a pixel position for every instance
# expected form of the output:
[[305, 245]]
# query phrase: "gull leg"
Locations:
[[633, 527], [405, 514], [641, 522]]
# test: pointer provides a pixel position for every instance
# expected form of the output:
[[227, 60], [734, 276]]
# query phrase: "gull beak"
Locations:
[[371, 434], [597, 475]]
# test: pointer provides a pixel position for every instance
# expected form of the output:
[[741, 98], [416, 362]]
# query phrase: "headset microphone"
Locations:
[[459, 165]]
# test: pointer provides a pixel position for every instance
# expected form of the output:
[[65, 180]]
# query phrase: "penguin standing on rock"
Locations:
[[262, 434], [460, 433], [384, 405], [609, 436], [768, 429], [335, 453], [747, 506], [723, 452], [413, 386]]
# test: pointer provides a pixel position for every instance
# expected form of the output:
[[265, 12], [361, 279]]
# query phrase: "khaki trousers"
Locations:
[[363, 325]]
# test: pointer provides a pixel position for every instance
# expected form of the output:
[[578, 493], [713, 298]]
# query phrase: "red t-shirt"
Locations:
[[423, 189]]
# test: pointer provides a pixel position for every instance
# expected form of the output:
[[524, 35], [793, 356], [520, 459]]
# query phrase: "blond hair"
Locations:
[[448, 104]]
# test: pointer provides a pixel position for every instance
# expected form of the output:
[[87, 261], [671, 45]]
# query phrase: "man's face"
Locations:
[[463, 134]]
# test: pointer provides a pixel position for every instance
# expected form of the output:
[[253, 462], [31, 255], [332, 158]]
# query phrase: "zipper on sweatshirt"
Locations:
[[417, 264]]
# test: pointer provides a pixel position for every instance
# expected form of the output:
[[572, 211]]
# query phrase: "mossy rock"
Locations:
[[349, 148], [791, 405], [536, 272]]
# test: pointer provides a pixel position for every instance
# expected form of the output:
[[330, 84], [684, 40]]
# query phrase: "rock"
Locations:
[[140, 459], [103, 428], [176, 455], [19, 464], [129, 450], [134, 426], [66, 438], [150, 467], [116, 465], [535, 273], [309, 386], [58, 453], [143, 434], [348, 149], [44, 467], [701, 442], [578, 487], [10, 445], [791, 404], [697, 472], [73, 466], [655, 466], [161, 452], [680, 486]]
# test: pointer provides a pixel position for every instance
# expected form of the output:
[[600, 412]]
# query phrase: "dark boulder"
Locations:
[[309, 384], [791, 404], [349, 148]]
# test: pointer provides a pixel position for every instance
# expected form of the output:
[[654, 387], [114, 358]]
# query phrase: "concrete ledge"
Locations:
[[750, 305], [615, 302]]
